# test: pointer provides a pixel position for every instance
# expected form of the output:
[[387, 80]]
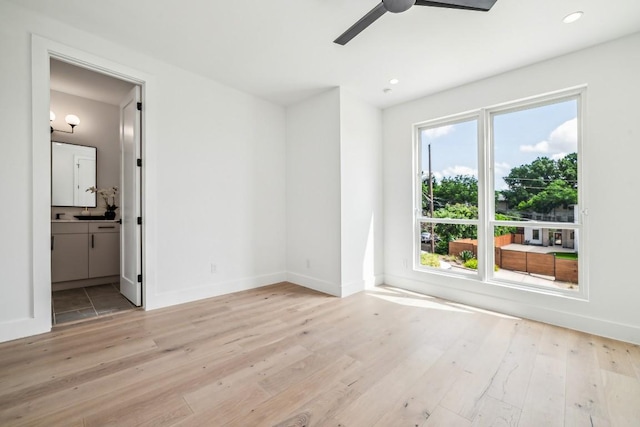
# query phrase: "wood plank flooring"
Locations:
[[286, 356]]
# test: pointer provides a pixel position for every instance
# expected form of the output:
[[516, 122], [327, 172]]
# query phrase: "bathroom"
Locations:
[[86, 152]]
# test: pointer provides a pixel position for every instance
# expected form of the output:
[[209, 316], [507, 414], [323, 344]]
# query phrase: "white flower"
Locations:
[[107, 194]]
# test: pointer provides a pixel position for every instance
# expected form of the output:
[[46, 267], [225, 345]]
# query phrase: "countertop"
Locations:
[[84, 220]]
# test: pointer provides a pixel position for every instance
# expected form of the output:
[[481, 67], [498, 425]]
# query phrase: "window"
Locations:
[[448, 193], [497, 194], [535, 235]]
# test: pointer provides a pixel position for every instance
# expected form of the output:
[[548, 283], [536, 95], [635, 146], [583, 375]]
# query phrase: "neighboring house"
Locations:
[[552, 236]]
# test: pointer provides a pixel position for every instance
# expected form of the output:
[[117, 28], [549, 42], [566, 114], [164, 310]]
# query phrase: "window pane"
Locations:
[[545, 257], [536, 163], [449, 165], [449, 247]]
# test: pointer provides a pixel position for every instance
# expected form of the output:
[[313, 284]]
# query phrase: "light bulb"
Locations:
[[72, 120]]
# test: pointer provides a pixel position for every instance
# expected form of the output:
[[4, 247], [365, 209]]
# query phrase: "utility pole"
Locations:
[[431, 203]]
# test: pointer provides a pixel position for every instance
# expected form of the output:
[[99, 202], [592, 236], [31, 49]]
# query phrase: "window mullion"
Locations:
[[484, 188]]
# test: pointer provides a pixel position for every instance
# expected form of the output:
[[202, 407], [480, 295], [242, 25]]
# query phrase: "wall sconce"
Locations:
[[72, 120]]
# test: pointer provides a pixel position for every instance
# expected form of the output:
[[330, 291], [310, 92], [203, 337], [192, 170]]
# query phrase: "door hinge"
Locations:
[[139, 220], [139, 278], [139, 106], [139, 162]]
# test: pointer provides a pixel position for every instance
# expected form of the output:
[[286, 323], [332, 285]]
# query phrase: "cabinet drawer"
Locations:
[[68, 228], [106, 227]]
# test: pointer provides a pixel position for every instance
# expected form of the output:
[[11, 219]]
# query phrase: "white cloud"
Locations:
[[540, 147], [459, 170], [500, 170], [566, 134], [558, 156], [501, 167], [563, 139], [434, 133]]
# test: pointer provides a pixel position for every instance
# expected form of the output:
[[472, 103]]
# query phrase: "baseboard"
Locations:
[[578, 322], [361, 285], [22, 328], [315, 284], [185, 295]]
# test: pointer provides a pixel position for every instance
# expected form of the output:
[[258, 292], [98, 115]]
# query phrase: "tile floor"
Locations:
[[82, 303]]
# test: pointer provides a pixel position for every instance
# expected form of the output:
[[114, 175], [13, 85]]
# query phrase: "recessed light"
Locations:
[[394, 81], [572, 17]]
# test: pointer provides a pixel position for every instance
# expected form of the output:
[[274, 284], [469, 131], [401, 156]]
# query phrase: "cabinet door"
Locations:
[[104, 254], [69, 257]]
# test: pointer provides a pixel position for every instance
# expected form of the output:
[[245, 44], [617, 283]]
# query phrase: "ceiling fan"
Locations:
[[397, 6]]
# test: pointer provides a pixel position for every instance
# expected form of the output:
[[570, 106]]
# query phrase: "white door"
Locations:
[[84, 177], [131, 231]]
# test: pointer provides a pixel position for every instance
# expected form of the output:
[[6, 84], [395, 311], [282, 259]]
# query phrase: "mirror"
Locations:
[[73, 170]]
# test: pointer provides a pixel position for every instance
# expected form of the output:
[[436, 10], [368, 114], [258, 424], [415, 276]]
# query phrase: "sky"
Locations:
[[519, 138]]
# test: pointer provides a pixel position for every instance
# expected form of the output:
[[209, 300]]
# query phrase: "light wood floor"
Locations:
[[286, 356]]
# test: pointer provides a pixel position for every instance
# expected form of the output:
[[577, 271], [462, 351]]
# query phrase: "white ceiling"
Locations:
[[79, 81], [283, 50]]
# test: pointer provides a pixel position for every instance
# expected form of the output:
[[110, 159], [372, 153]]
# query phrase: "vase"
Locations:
[[110, 215]]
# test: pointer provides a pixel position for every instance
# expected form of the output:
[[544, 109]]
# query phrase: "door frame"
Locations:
[[42, 50]]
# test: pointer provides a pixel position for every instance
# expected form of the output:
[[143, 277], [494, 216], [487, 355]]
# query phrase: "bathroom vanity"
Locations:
[[84, 253]]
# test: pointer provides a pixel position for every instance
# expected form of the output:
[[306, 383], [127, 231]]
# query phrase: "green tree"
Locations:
[[501, 230], [543, 185], [525, 181], [461, 189], [426, 198], [558, 193], [448, 232], [568, 169]]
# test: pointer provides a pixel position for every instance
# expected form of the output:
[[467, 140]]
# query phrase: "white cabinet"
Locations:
[[69, 256], [84, 250], [104, 249]]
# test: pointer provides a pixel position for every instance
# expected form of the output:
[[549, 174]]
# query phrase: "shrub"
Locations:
[[472, 263], [442, 247], [431, 260], [466, 255]]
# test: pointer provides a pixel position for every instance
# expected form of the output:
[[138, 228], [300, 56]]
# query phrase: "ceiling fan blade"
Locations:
[[363, 23], [481, 5]]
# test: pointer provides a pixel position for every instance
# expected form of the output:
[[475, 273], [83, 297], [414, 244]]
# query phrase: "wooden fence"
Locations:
[[457, 246], [565, 270]]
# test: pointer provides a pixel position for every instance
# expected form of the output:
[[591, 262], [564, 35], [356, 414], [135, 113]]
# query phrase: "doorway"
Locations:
[[108, 279]]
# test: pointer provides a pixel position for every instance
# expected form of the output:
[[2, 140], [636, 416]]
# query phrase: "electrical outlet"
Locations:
[[308, 263], [214, 268]]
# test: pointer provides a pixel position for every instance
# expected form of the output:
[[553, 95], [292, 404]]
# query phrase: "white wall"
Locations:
[[610, 157], [361, 194], [313, 193], [99, 127], [334, 193], [214, 178]]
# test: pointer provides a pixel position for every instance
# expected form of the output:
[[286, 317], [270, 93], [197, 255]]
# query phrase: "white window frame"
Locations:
[[486, 205], [449, 120]]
